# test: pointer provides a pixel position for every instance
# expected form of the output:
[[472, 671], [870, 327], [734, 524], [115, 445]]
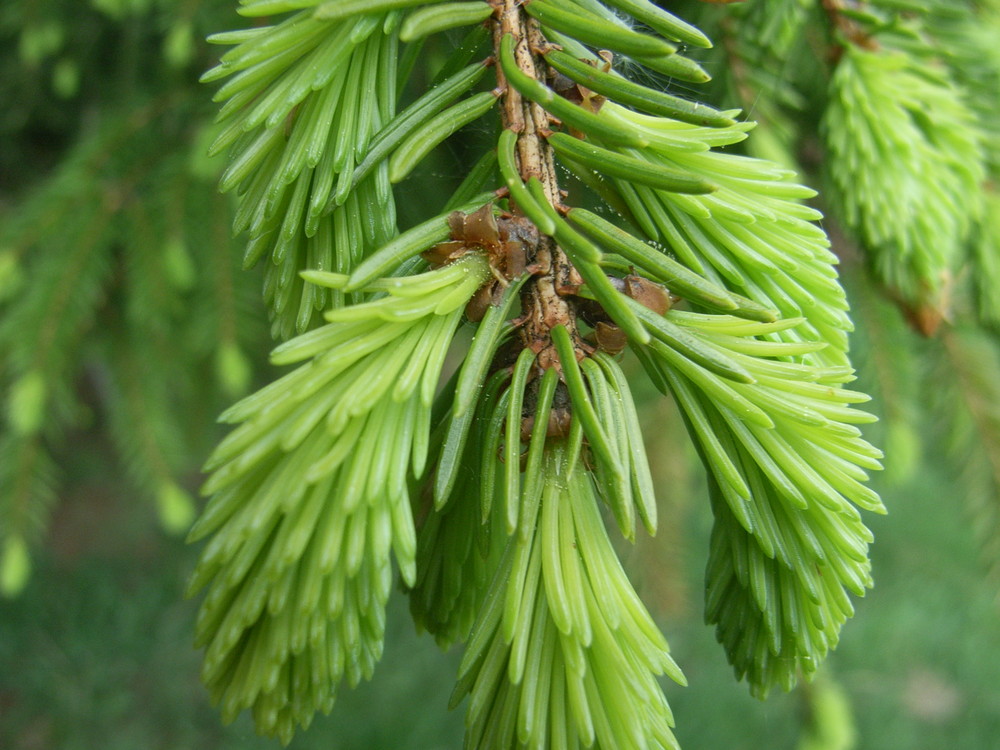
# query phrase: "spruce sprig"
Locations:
[[564, 654], [506, 467], [311, 493]]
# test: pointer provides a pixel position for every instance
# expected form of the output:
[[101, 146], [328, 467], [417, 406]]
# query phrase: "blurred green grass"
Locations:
[[97, 651]]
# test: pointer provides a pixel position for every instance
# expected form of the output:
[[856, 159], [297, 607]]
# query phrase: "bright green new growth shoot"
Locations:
[[494, 488]]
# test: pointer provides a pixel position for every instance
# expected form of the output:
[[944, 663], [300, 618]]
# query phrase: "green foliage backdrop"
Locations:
[[597, 191]]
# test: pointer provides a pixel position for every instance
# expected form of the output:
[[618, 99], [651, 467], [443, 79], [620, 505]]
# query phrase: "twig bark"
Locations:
[[543, 299]]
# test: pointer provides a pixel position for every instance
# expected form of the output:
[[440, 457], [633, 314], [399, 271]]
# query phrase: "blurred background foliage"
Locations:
[[126, 325]]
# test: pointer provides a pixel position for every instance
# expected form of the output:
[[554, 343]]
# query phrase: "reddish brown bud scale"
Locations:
[[476, 307], [444, 252], [649, 294], [505, 242], [610, 338]]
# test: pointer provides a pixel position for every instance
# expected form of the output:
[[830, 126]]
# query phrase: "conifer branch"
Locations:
[[538, 423]]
